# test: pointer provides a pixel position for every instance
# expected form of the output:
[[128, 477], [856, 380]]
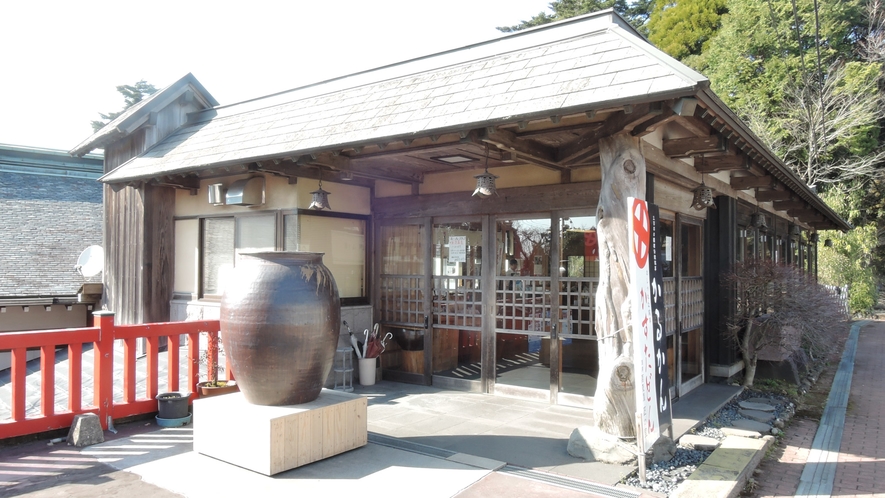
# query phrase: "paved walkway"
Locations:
[[843, 455]]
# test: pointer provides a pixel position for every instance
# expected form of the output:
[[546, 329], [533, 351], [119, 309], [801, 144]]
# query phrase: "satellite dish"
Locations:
[[91, 261]]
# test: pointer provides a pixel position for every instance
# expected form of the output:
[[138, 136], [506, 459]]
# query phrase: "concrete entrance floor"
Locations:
[[423, 442]]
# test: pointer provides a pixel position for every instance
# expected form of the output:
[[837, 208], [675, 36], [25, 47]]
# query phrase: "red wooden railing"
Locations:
[[103, 336]]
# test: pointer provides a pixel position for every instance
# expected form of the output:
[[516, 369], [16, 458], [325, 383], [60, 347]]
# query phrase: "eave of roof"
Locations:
[[592, 61], [123, 124], [776, 165]]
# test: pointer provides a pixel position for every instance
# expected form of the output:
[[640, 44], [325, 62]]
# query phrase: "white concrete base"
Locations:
[[273, 439]]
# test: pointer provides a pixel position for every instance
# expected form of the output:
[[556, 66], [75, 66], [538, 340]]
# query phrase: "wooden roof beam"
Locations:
[[684, 147], [748, 182], [712, 164], [791, 204], [344, 163], [588, 143], [806, 214], [183, 183], [773, 195], [530, 152]]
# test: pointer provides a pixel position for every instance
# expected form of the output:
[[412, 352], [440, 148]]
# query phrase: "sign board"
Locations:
[[656, 272], [642, 323], [458, 249]]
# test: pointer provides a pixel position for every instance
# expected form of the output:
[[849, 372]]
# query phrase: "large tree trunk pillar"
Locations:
[[623, 176]]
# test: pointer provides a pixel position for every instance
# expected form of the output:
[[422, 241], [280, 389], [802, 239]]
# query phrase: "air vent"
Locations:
[[248, 192]]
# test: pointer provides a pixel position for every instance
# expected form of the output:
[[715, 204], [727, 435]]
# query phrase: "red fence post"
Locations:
[[104, 366], [19, 382], [47, 380], [75, 377]]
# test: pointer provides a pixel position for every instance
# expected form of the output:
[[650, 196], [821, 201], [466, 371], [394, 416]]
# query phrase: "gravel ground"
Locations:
[[665, 476]]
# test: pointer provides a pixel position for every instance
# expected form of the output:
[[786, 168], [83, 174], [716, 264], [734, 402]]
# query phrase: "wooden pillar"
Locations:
[[623, 176]]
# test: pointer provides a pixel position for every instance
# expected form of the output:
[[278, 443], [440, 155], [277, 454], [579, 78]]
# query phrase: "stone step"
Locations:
[[765, 401], [752, 405], [731, 431], [764, 417], [695, 442], [751, 425]]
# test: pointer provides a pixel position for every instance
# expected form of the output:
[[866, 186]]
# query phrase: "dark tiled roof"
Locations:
[[45, 222]]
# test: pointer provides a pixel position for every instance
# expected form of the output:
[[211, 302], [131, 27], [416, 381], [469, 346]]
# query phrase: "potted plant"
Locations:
[[214, 386], [172, 409]]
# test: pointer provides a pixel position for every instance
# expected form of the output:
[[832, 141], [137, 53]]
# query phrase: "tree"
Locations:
[[132, 94], [775, 301], [635, 12], [684, 28]]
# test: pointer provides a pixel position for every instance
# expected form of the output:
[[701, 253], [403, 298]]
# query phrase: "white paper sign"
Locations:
[[458, 249], [643, 333]]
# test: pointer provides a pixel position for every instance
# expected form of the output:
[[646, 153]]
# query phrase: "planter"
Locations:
[[221, 387], [173, 405], [280, 321]]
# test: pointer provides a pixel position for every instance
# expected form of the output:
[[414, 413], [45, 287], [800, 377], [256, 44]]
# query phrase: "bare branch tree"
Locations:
[[772, 298], [820, 120]]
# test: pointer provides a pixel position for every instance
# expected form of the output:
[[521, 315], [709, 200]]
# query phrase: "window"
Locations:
[[343, 242], [342, 239]]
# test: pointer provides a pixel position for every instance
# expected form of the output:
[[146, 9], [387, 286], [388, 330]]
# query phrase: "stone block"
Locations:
[[591, 444], [85, 430], [731, 431], [752, 405], [695, 442], [663, 450], [751, 425], [764, 417]]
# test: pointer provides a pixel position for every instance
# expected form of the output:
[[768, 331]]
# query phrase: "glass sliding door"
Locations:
[[524, 311], [401, 302], [457, 255], [579, 278]]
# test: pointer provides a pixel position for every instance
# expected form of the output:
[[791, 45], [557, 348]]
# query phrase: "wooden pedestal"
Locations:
[[273, 439]]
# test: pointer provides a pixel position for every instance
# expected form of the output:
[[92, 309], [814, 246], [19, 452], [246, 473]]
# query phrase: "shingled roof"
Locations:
[[50, 210], [575, 64], [579, 65]]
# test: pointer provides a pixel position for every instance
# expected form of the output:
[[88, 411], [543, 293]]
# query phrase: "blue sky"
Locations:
[[63, 59]]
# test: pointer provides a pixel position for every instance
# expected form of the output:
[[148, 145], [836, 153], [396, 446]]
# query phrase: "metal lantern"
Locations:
[[485, 185], [320, 199], [795, 230], [758, 221], [828, 243], [485, 182], [814, 238], [703, 197]]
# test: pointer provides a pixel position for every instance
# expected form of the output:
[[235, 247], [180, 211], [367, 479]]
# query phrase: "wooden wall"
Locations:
[[139, 234]]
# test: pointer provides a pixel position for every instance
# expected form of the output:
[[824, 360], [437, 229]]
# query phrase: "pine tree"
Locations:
[[132, 94]]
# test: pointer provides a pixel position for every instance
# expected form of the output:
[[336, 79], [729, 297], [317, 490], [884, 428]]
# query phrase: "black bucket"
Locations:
[[172, 405]]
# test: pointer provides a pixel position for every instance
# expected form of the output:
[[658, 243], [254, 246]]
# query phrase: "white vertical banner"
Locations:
[[643, 333]]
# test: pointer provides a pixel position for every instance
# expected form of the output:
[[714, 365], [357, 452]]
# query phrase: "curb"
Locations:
[[726, 471]]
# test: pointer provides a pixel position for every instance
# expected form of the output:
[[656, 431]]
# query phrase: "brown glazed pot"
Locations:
[[279, 325]]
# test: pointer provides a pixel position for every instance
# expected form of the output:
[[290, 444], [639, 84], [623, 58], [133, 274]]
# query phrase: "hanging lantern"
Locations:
[[814, 238], [796, 230], [757, 220], [828, 243], [320, 199], [485, 182], [485, 185], [703, 197]]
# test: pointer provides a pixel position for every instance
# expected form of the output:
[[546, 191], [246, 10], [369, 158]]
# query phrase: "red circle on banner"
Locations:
[[641, 236]]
